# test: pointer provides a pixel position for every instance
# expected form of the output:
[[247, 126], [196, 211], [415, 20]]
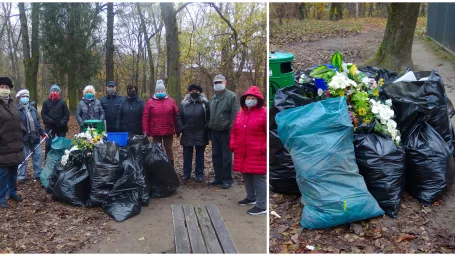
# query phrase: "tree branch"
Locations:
[[225, 20], [182, 7]]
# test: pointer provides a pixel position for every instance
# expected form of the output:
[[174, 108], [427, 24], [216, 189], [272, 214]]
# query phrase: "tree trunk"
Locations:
[[31, 61], [173, 55], [72, 92], [395, 50], [336, 11], [11, 45], [149, 47], [303, 14], [110, 43], [370, 10]]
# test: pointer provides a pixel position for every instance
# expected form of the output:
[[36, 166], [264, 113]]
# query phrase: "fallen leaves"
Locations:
[[405, 237]]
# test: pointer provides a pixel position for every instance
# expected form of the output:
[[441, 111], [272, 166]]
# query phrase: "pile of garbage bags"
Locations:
[[119, 179], [345, 175]]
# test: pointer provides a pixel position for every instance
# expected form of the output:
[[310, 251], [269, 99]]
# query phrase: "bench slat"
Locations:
[[221, 230], [208, 233], [196, 240], [182, 244]]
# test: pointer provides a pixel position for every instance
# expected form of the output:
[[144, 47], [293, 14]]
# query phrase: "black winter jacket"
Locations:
[[11, 135], [192, 120], [29, 137], [129, 118], [55, 115], [111, 105]]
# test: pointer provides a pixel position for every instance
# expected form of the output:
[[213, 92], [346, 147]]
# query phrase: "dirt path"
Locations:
[[428, 229], [154, 223]]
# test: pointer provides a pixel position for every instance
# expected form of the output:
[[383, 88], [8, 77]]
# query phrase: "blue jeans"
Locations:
[[8, 176], [188, 161], [36, 159]]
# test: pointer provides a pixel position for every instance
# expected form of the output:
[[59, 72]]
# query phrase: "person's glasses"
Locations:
[[110, 86], [218, 82]]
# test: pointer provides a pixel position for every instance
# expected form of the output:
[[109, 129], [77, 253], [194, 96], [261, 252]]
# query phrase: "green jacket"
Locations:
[[223, 109]]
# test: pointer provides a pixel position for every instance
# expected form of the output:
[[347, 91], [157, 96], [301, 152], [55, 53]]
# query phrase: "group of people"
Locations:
[[233, 125]]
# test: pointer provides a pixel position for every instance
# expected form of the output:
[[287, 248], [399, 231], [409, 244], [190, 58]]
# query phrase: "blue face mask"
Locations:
[[89, 96], [160, 95], [24, 100]]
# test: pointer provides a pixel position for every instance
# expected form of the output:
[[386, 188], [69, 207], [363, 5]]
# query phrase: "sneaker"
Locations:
[[256, 211], [16, 198], [199, 179], [246, 201], [4, 204], [226, 185], [215, 182], [186, 177], [22, 181]]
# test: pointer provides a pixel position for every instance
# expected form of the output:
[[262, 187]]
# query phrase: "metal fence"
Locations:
[[441, 25]]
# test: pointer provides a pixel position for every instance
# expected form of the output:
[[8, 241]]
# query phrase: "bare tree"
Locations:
[[110, 43]]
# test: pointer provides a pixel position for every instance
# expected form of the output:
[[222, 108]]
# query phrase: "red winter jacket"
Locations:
[[159, 118], [249, 136]]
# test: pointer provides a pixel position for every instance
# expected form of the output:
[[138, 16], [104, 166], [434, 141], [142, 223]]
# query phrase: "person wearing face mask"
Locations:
[[111, 103], [192, 121], [11, 143], [223, 108], [249, 143], [30, 120], [159, 119], [89, 108], [55, 114], [129, 117]]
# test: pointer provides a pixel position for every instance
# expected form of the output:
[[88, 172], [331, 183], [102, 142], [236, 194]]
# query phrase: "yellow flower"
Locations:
[[342, 93], [367, 121], [381, 82], [353, 70], [362, 111], [376, 92]]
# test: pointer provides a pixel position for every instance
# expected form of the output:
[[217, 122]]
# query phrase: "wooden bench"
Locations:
[[200, 229]]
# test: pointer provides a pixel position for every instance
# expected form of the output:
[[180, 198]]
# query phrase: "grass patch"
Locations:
[[421, 27], [438, 50]]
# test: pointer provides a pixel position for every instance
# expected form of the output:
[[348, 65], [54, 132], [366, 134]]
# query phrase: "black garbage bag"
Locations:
[[450, 108], [281, 168], [142, 140], [58, 168], [415, 101], [123, 201], [105, 170], [137, 158], [378, 73], [159, 173], [429, 161], [73, 185], [383, 167]]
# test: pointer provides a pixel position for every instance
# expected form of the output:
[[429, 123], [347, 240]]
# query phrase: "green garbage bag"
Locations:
[[319, 138], [58, 147]]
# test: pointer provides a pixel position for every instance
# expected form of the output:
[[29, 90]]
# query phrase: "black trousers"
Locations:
[[221, 156]]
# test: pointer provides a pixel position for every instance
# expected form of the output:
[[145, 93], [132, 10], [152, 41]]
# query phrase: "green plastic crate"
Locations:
[[281, 73], [99, 125]]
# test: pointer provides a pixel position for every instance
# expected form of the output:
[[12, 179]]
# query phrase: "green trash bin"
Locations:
[[281, 73], [99, 125]]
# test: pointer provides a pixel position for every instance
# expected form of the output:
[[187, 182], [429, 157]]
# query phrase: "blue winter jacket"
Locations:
[[111, 105]]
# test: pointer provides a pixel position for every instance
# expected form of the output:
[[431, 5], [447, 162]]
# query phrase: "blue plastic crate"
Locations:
[[120, 138]]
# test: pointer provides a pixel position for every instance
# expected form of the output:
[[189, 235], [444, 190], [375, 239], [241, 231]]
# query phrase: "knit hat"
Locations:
[[195, 87], [160, 85], [89, 88], [55, 87], [6, 81], [23, 92], [219, 78]]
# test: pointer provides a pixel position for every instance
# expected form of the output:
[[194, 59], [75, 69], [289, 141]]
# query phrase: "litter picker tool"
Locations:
[[31, 153]]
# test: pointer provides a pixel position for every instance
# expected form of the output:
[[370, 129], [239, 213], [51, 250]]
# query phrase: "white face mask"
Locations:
[[219, 87], [251, 103], [4, 92]]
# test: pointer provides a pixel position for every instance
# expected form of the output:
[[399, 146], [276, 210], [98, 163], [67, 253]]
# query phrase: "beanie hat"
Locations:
[[55, 87], [88, 89], [23, 92], [195, 87], [6, 81], [160, 85]]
